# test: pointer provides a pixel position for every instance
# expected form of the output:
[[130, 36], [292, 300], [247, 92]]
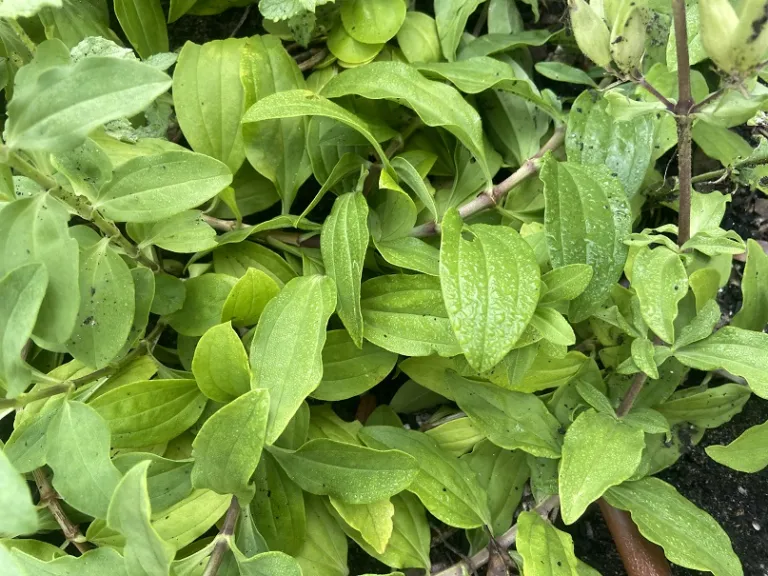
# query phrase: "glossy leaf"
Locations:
[[451, 17], [228, 447], [373, 521], [490, 283], [373, 21], [287, 346], [587, 217], [565, 283]]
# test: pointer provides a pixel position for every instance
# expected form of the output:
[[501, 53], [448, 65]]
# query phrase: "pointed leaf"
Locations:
[[143, 22], [546, 550], [753, 314], [747, 453]]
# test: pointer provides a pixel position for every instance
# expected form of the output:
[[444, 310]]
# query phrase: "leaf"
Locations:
[[150, 412], [753, 314], [35, 230], [565, 283], [495, 43], [185, 232], [594, 137], [747, 453], [129, 513], [373, 21], [287, 346], [209, 99], [445, 485], [150, 188], [324, 552], [490, 283], [451, 17], [643, 352], [372, 521], [418, 38], [284, 9], [660, 281], [78, 452], [560, 72], [249, 297], [689, 536], [64, 104], [705, 408], [278, 507], [343, 242], [435, 103], [456, 437], [27, 446], [203, 304], [586, 218], [720, 143], [553, 326], [509, 419], [168, 481], [21, 293], [546, 550], [354, 474], [19, 516], [738, 351], [220, 364], [348, 371], [228, 447], [405, 314], [11, 9], [276, 148], [295, 103], [598, 452], [143, 22], [701, 326], [92, 563], [408, 173], [268, 563], [107, 306], [237, 259], [169, 295]]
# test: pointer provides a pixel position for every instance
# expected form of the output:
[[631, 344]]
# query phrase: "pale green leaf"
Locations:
[[220, 364], [249, 297], [143, 22], [268, 564], [418, 38], [203, 304], [753, 314], [560, 72], [10, 9], [643, 352], [553, 326], [705, 408], [93, 563], [168, 481], [747, 453], [324, 552], [451, 17], [546, 550], [373, 521], [19, 514], [565, 283], [373, 21], [236, 259], [183, 233], [495, 43]]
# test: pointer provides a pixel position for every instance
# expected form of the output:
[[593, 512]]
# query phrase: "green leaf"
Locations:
[[78, 444], [720, 143], [546, 550], [129, 513], [495, 43], [560, 72], [348, 371], [643, 352], [405, 314], [168, 481], [92, 563], [209, 99], [295, 103], [373, 521], [343, 242], [276, 149], [456, 437], [27, 447], [25, 8], [705, 408], [660, 280], [373, 21], [444, 484], [707, 211], [228, 447], [169, 295], [143, 22], [150, 412], [185, 232], [408, 173], [249, 297], [701, 326], [502, 474], [324, 552], [689, 536], [747, 453], [107, 306], [587, 217], [598, 452], [490, 283], [553, 326], [65, 103], [451, 17], [418, 38], [278, 507], [509, 419], [324, 423], [267, 564], [203, 304], [287, 347], [565, 283], [753, 314], [350, 51], [434, 102], [354, 474], [21, 293], [35, 230], [236, 259], [220, 364], [740, 352], [149, 188], [595, 137], [19, 514]]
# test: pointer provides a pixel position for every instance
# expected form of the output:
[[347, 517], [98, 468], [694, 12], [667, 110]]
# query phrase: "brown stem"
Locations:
[[313, 60], [490, 198], [504, 541], [222, 540], [50, 499], [634, 390], [640, 557], [659, 96], [683, 110], [219, 224]]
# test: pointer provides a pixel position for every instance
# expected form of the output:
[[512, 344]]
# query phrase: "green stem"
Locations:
[[223, 539], [24, 399]]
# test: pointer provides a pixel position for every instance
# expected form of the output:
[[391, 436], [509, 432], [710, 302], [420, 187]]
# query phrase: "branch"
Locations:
[[50, 499], [504, 541], [634, 390], [219, 224], [490, 198], [24, 399], [683, 110], [659, 96], [222, 540], [313, 60]]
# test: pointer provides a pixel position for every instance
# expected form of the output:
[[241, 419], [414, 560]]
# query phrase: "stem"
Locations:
[[490, 198], [24, 399], [640, 557], [634, 390], [219, 224], [222, 540], [659, 96], [50, 499], [504, 541], [313, 60], [683, 111]]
